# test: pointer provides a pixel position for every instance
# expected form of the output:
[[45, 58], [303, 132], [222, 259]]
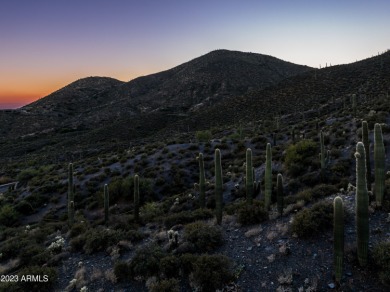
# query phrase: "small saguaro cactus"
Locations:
[[366, 144], [70, 194], [106, 204], [293, 135], [354, 104], [324, 158], [218, 186], [338, 237], [268, 177], [379, 161], [279, 194], [202, 180], [136, 198], [249, 177], [361, 208]]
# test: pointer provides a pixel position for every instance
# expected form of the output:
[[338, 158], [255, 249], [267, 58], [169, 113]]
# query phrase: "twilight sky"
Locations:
[[47, 44]]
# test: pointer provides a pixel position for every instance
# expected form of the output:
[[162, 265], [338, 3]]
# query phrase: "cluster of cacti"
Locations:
[[202, 180], [338, 237], [268, 177], [106, 204], [366, 144], [279, 194], [361, 201], [325, 158], [249, 184], [136, 198], [218, 186], [173, 238], [71, 210], [379, 161]]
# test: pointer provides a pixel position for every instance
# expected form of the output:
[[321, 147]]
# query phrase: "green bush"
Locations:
[[146, 261], [122, 271], [252, 214], [169, 266], [8, 215], [308, 222], [323, 190], [381, 256], [211, 272], [187, 217], [95, 240], [203, 136], [300, 156], [204, 237]]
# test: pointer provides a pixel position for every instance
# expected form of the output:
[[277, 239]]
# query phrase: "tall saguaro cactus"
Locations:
[[338, 237], [136, 198], [323, 157], [268, 177], [279, 194], [361, 202], [202, 187], [366, 144], [218, 186], [379, 161], [70, 195], [106, 204], [249, 177]]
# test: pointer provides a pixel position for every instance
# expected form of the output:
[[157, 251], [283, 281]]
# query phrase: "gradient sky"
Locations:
[[47, 44]]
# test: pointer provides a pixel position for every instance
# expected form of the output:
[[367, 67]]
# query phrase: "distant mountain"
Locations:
[[94, 102]]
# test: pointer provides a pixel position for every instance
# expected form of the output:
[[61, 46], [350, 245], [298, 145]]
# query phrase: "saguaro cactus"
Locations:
[[361, 202], [338, 237], [323, 157], [279, 194], [218, 186], [354, 104], [379, 161], [268, 177], [106, 204], [70, 195], [366, 144], [249, 177], [202, 187], [136, 198]]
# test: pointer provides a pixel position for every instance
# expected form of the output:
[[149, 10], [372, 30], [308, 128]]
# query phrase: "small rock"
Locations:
[[331, 285], [349, 274], [314, 256], [249, 248]]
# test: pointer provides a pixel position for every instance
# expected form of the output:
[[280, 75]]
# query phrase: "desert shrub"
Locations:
[[186, 262], [77, 229], [165, 285], [323, 190], [204, 237], [26, 174], [211, 272], [8, 215], [151, 210], [252, 214], [169, 266], [203, 136], [122, 271], [299, 156], [187, 217], [95, 240], [381, 256], [309, 221], [146, 261], [305, 195], [24, 208]]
